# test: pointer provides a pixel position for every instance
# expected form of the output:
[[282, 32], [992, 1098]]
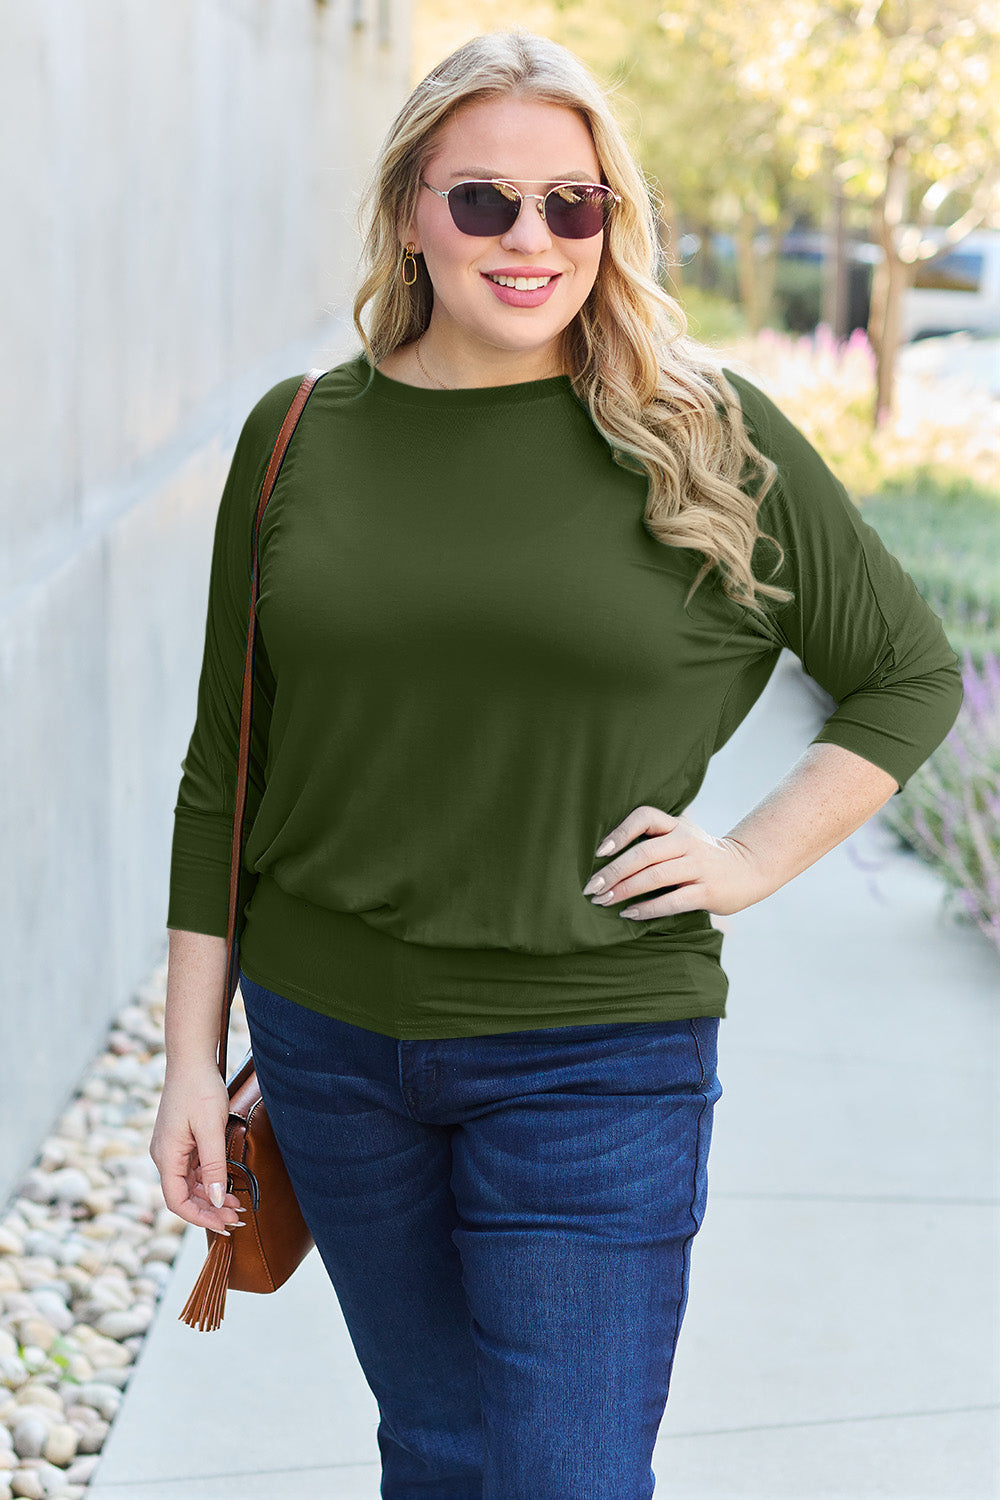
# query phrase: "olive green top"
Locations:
[[472, 661]]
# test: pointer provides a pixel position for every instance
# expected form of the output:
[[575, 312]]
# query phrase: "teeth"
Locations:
[[522, 283]]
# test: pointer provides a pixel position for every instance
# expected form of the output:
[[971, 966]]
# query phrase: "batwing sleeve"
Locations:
[[856, 620], [201, 848]]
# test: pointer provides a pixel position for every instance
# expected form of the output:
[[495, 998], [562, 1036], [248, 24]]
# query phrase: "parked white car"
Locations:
[[960, 293]]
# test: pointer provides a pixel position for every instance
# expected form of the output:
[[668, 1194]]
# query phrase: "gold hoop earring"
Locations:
[[409, 256]]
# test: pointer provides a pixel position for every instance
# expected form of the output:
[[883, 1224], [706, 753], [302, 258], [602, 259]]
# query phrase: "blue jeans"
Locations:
[[507, 1222]]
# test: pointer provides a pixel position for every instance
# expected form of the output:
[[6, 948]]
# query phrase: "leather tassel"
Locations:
[[207, 1303]]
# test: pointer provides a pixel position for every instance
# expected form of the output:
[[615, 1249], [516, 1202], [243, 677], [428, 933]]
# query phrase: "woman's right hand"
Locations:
[[188, 1145]]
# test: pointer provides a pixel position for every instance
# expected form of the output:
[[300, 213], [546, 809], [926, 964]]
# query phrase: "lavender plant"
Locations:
[[949, 812]]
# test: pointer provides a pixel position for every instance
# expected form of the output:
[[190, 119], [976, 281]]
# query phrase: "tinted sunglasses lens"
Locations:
[[480, 208], [577, 213]]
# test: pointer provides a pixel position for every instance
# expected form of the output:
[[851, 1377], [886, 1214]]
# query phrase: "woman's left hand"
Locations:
[[709, 874]]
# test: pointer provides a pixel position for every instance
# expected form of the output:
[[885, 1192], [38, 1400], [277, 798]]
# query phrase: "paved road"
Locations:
[[956, 356], [840, 1340]]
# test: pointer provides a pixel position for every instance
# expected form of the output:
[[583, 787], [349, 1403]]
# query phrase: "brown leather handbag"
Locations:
[[278, 1239]]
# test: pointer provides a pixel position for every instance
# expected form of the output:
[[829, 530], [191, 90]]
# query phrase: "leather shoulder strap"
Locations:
[[243, 770]]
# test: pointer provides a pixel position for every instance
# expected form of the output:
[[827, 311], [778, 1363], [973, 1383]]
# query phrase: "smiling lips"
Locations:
[[522, 278], [518, 284]]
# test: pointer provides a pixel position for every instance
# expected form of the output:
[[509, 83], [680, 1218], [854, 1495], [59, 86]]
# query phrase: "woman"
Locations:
[[529, 562]]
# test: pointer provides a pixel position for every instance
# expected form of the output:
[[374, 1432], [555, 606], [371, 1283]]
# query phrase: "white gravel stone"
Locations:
[[81, 1469], [69, 1250], [125, 1323], [104, 1399], [99, 1201], [61, 1444], [41, 1242], [30, 1432], [161, 1247], [33, 1275], [125, 1257], [147, 1288], [28, 1483], [37, 1478], [53, 1308], [79, 1368], [18, 1305], [34, 1330], [167, 1222], [76, 1279], [100, 1350], [111, 1289], [37, 1397], [12, 1371], [53, 1479], [53, 1153], [92, 1437], [70, 1185], [86, 1247], [36, 1187]]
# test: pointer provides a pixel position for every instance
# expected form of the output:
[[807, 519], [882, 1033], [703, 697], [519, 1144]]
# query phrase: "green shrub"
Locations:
[[798, 294], [712, 319]]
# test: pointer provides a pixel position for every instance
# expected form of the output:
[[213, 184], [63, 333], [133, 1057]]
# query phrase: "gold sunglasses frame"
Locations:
[[540, 198]]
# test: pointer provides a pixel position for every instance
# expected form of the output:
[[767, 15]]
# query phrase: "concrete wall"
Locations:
[[179, 185]]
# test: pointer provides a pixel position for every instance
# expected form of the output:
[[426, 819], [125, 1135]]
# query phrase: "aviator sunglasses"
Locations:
[[490, 207]]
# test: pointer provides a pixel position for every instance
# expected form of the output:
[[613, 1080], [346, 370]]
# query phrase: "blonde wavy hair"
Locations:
[[659, 398]]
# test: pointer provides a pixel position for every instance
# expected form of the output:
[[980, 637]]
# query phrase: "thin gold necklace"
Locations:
[[416, 350]]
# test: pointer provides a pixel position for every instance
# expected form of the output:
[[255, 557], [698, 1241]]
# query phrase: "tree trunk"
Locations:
[[767, 267], [835, 266], [746, 270], [892, 277], [899, 279], [705, 265]]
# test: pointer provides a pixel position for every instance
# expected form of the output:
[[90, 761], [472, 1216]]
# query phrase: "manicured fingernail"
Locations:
[[606, 847], [630, 912], [595, 883], [216, 1192], [604, 900]]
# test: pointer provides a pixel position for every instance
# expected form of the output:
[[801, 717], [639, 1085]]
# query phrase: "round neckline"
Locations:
[[463, 395]]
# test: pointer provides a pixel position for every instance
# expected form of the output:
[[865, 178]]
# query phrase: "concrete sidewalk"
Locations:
[[841, 1336]]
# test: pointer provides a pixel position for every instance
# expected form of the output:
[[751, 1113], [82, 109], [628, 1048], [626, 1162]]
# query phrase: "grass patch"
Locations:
[[947, 537]]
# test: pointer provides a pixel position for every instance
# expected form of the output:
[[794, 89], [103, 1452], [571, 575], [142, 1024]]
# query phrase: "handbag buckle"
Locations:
[[252, 1185]]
